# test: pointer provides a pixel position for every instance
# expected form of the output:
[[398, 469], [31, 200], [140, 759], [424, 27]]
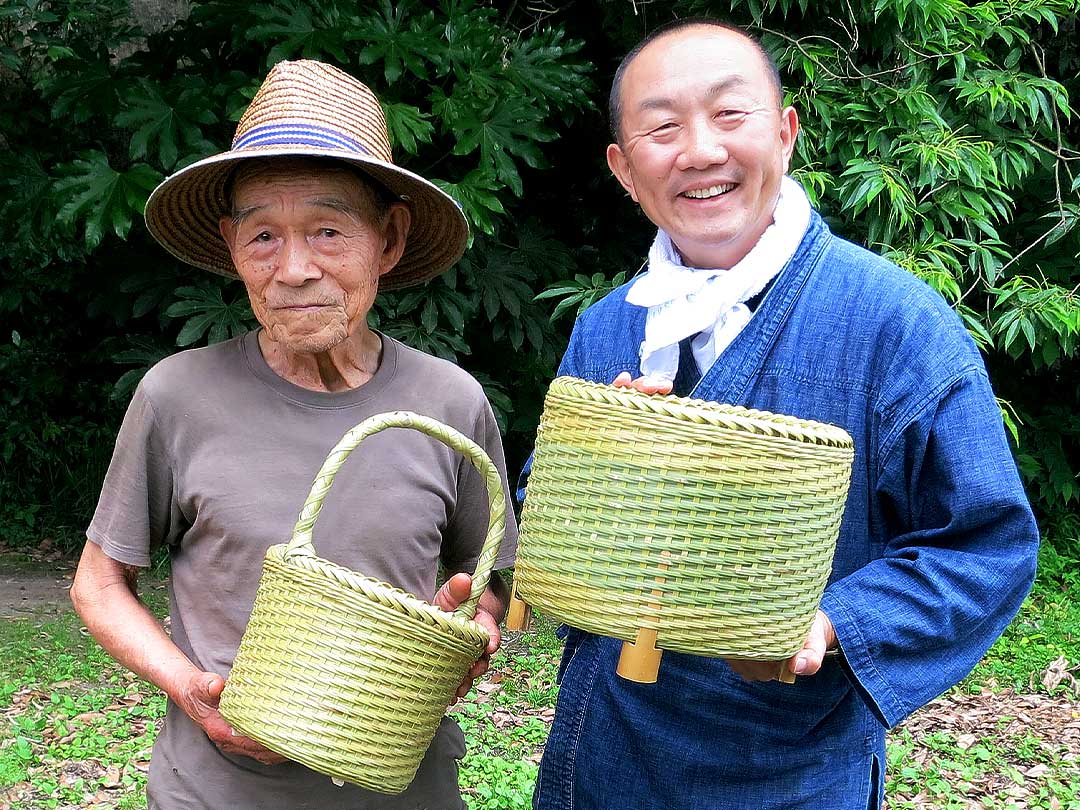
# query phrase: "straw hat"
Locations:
[[307, 108]]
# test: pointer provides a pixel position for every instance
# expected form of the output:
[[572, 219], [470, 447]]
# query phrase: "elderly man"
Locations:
[[750, 300], [219, 446]]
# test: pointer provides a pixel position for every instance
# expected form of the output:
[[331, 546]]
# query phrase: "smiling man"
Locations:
[[219, 445], [750, 300]]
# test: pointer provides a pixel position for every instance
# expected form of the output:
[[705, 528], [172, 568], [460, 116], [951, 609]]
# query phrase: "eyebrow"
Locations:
[[333, 203], [240, 214], [717, 89]]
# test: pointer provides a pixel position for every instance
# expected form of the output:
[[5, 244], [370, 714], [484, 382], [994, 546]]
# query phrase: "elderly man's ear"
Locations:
[[227, 228], [396, 233]]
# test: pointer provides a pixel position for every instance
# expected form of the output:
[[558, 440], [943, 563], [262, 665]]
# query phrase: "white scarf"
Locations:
[[710, 304]]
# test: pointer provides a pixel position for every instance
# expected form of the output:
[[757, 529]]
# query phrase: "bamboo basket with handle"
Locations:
[[344, 673], [678, 524]]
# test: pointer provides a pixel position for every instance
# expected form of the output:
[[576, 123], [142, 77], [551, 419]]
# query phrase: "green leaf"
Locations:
[[86, 91], [171, 126], [510, 126], [538, 66], [299, 29], [209, 313], [1029, 332], [408, 126], [403, 37], [476, 194], [101, 197], [587, 291]]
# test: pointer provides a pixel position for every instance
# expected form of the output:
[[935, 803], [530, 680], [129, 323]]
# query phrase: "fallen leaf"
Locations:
[[111, 778], [1058, 672]]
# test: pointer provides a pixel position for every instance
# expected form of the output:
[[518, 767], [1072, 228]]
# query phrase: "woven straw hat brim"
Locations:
[[183, 213]]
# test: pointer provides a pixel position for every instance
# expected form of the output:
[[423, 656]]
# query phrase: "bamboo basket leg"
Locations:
[[639, 660], [786, 675], [519, 613]]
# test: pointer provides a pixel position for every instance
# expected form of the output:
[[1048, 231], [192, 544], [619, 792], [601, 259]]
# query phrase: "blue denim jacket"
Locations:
[[936, 552]]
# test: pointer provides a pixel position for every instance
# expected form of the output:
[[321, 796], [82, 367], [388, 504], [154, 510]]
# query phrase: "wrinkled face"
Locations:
[[310, 244], [704, 142]]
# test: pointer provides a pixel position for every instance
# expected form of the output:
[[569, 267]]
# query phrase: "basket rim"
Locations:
[[405, 603], [687, 409]]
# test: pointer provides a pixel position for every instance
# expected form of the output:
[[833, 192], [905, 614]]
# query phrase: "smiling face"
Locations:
[[310, 242], [704, 142]]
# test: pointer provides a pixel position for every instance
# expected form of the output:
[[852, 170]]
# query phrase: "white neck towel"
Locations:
[[710, 303]]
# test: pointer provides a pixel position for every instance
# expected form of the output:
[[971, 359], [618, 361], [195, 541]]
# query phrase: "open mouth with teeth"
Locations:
[[708, 193]]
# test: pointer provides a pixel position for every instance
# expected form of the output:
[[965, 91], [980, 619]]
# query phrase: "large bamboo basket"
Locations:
[[344, 673], [678, 524]]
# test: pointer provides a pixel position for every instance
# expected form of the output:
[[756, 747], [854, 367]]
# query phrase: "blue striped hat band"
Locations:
[[297, 134]]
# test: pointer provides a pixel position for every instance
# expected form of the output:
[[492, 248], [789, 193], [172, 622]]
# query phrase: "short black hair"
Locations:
[[614, 98]]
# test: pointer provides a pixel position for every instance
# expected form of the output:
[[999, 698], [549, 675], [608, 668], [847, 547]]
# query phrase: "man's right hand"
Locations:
[[199, 699], [645, 385]]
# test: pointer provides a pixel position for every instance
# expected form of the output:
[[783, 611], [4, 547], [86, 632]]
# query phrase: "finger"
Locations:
[[488, 622], [453, 592], [479, 668], [239, 744], [756, 670], [651, 385], [213, 685], [808, 660], [624, 380]]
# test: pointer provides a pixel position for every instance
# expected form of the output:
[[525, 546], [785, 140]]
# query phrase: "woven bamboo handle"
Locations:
[[301, 542]]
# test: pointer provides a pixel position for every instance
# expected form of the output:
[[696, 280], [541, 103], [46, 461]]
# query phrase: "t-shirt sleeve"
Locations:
[[468, 526], [137, 510]]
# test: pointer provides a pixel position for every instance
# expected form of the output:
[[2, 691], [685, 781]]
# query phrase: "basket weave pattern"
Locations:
[[343, 673], [714, 525]]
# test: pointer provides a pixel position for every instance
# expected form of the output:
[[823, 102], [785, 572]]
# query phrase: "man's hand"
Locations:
[[199, 699], [645, 385], [455, 591], [806, 661]]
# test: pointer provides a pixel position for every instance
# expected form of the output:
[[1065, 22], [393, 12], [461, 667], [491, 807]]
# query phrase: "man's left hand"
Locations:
[[455, 591], [806, 661]]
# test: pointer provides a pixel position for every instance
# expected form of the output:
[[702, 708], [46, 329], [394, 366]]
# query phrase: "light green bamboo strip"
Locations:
[[344, 673], [688, 410], [301, 542], [711, 524]]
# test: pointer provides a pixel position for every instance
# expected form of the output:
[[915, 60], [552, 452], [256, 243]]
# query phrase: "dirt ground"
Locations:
[[1049, 727], [27, 593]]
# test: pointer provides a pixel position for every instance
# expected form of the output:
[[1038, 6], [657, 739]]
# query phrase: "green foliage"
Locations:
[[95, 112], [101, 198], [940, 133], [499, 784], [77, 724], [67, 703], [581, 292], [945, 136]]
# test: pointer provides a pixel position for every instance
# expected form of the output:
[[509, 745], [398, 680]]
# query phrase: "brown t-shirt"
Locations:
[[214, 460]]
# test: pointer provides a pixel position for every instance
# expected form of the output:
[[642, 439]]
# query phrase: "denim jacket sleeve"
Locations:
[[960, 554]]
